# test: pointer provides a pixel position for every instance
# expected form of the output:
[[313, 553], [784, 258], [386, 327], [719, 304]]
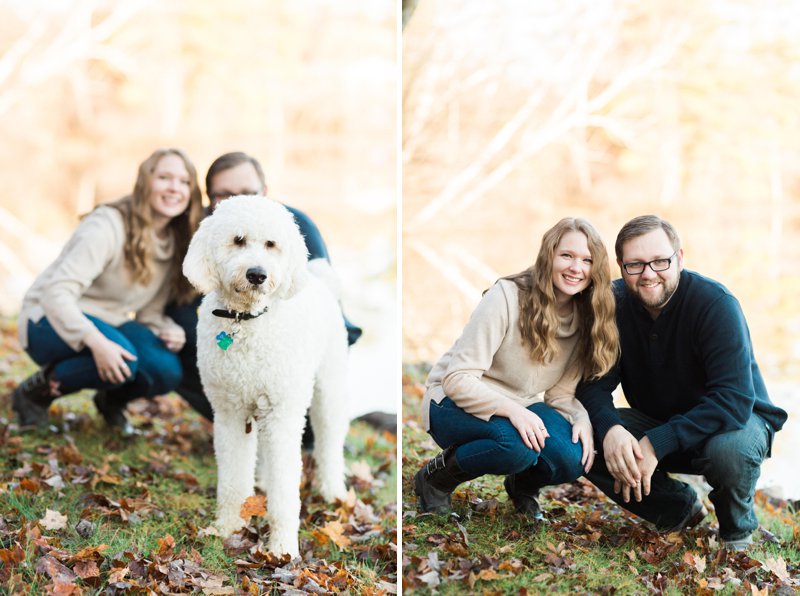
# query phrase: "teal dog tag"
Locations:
[[224, 340]]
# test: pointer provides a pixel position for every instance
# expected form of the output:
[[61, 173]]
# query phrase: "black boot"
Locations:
[[437, 479], [113, 412], [523, 495], [31, 399]]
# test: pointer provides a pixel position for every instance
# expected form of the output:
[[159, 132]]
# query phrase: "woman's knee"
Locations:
[[565, 462], [513, 456]]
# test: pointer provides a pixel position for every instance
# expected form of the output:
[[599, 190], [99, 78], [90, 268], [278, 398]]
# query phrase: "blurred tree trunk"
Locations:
[[409, 6]]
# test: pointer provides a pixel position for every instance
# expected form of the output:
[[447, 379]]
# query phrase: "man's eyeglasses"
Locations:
[[657, 265], [221, 196]]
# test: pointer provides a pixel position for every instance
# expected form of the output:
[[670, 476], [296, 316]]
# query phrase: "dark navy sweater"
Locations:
[[692, 367]]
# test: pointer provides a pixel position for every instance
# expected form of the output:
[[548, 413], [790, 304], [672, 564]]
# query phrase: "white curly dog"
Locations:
[[270, 343]]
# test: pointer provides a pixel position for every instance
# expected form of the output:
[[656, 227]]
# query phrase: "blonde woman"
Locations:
[[124, 258], [502, 399]]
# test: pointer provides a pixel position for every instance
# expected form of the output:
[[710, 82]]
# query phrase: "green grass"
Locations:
[[587, 545], [138, 491]]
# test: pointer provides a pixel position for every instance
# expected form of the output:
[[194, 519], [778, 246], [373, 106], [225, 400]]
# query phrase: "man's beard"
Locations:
[[656, 302]]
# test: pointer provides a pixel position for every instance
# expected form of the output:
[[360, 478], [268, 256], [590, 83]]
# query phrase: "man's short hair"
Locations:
[[644, 224], [231, 160]]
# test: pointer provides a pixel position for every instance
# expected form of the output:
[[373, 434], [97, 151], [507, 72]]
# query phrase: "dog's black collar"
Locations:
[[237, 315]]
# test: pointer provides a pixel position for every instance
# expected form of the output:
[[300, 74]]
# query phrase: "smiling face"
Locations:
[[241, 179], [653, 289], [170, 186], [250, 252], [572, 266]]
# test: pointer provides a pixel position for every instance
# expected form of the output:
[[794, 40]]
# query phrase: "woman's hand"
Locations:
[[529, 425], [582, 431], [109, 358], [174, 338]]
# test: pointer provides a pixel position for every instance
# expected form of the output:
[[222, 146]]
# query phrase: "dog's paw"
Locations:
[[333, 490], [228, 525], [278, 545]]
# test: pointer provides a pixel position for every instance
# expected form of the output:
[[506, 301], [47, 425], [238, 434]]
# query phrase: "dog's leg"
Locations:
[[281, 469], [330, 421], [236, 462]]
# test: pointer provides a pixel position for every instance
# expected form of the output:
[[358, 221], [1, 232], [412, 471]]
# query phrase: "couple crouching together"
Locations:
[[528, 386]]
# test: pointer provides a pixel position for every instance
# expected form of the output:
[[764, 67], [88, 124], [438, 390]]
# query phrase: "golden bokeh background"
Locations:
[[89, 88], [516, 114]]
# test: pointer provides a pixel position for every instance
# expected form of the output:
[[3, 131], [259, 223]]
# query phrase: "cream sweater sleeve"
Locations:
[[153, 315], [472, 356], [561, 396], [94, 244]]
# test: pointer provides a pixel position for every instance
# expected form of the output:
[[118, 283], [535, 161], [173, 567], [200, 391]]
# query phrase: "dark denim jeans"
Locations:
[[730, 462], [495, 447], [155, 371]]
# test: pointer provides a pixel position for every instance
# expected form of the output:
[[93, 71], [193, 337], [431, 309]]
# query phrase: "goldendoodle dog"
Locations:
[[270, 344]]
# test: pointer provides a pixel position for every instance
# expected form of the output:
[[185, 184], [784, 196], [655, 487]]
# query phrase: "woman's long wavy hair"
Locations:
[[598, 338], [137, 215]]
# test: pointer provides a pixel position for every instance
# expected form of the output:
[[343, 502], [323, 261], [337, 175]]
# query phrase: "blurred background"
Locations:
[[89, 88], [518, 114]]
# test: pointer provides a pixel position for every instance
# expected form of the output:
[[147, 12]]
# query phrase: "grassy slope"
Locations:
[[588, 545], [143, 505]]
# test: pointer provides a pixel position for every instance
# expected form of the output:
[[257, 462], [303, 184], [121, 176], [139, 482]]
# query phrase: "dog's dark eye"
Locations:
[[270, 244], [240, 240]]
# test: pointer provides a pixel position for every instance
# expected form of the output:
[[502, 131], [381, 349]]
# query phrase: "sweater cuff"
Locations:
[[663, 440], [603, 420]]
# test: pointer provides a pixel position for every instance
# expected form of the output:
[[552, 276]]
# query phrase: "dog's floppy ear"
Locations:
[[197, 265], [297, 259]]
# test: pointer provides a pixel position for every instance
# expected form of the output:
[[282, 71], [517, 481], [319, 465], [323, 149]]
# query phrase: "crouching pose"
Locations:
[[698, 402], [94, 319], [270, 343], [502, 399]]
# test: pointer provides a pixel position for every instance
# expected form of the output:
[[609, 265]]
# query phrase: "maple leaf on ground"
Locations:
[[335, 531], [31, 485], [695, 560], [456, 547], [12, 556], [86, 569], [69, 454], [57, 572], [361, 470], [53, 520], [778, 569], [165, 548], [255, 505]]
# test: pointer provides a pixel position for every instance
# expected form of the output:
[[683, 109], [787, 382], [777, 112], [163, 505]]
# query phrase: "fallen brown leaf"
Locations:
[[255, 505], [53, 520], [335, 531]]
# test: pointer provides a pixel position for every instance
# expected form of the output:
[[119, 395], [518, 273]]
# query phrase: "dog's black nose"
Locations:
[[256, 276]]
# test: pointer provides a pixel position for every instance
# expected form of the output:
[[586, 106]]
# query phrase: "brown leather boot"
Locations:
[[31, 399], [113, 413], [523, 496], [436, 481]]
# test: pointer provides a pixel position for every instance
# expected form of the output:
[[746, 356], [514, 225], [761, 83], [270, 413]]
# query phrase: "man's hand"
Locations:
[[582, 431], [622, 452], [529, 426], [174, 338], [647, 465]]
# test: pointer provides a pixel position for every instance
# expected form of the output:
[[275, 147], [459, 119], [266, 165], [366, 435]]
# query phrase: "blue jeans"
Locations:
[[730, 462], [496, 447], [190, 388], [155, 371]]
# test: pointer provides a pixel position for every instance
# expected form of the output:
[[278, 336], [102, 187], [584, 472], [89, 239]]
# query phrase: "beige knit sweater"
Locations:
[[90, 276], [489, 363]]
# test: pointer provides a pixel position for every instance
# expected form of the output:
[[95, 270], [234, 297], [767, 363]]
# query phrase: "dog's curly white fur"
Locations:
[[247, 257]]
